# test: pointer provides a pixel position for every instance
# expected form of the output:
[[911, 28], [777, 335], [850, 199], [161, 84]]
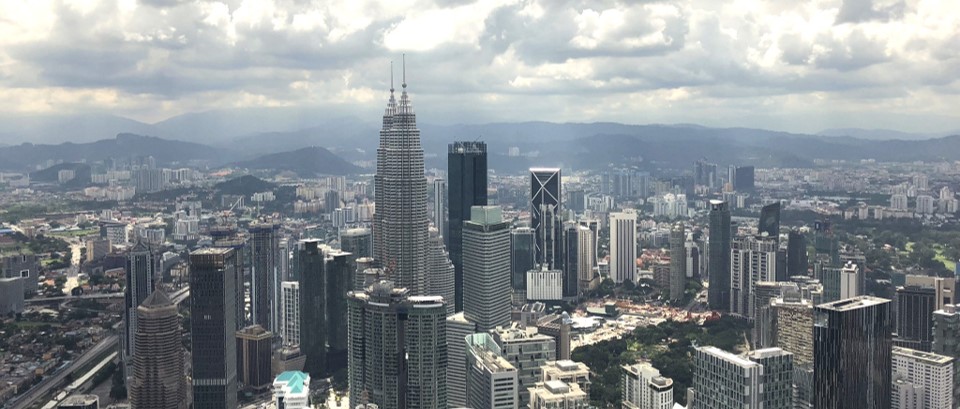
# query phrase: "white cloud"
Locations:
[[655, 61]]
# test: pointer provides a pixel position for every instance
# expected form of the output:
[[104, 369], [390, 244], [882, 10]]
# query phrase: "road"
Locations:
[[68, 298], [49, 383]]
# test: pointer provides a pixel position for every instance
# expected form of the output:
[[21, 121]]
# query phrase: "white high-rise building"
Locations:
[[623, 246], [545, 285], [926, 376], [492, 381], [441, 280], [760, 379], [558, 395], [586, 255], [752, 260], [290, 312], [458, 328], [291, 390], [851, 281], [925, 204], [486, 268], [898, 202], [644, 388]]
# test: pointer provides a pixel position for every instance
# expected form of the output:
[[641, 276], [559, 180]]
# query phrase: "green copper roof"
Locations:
[[294, 379]]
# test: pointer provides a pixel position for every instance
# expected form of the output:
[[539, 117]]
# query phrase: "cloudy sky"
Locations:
[[780, 64]]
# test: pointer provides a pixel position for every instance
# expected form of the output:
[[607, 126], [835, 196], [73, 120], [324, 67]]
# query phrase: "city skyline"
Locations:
[[776, 68]]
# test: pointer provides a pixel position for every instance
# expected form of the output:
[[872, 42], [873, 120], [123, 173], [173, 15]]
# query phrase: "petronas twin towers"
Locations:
[[401, 235]]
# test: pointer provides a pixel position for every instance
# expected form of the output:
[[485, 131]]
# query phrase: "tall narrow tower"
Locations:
[[157, 379], [141, 267], [467, 172], [400, 222]]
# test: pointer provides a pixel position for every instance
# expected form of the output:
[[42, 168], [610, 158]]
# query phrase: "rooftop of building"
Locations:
[[567, 365], [766, 353], [926, 357], [728, 356], [849, 304], [948, 310], [211, 251], [80, 400], [295, 381], [515, 332]]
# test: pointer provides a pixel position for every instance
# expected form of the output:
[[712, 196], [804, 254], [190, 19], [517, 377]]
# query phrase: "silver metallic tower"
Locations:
[[400, 222]]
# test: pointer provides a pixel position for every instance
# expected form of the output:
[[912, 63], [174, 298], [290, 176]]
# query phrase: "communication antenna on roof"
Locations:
[[391, 76], [478, 137], [403, 60]]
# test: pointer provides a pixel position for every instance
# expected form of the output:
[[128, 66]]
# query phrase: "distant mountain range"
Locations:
[[305, 162], [27, 155], [286, 139]]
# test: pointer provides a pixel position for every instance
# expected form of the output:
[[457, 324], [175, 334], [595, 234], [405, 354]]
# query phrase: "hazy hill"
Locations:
[[306, 162], [245, 185], [52, 174], [57, 128], [27, 155]]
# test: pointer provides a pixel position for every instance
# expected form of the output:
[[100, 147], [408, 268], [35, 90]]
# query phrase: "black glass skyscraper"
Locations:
[[743, 178], [852, 354], [770, 220], [313, 304], [796, 254], [466, 187], [522, 256], [718, 294], [213, 298], [915, 307], [571, 259], [545, 210]]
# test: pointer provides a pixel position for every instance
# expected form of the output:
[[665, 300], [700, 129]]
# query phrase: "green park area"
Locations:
[[668, 346]]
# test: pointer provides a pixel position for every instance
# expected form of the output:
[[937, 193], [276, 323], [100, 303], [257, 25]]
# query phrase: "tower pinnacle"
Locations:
[[403, 59]]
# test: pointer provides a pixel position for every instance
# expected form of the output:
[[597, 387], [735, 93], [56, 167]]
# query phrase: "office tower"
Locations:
[[213, 325], [291, 390], [440, 206], [290, 312], [777, 390], [752, 260], [400, 222], [642, 387], [705, 174], [796, 254], [567, 371], [793, 332], [227, 237], [678, 262], [915, 307], [764, 292], [442, 277], [527, 350], [486, 268], [283, 263], [557, 394], [944, 288], [458, 328], [544, 285], [577, 200], [80, 402], [571, 259], [946, 341], [586, 256], [158, 379], [743, 178], [759, 379], [545, 210], [770, 221], [313, 307], [852, 344], [931, 373], [357, 241], [522, 256], [141, 275], [264, 274], [397, 347], [560, 327], [718, 293], [254, 352], [840, 283], [331, 201], [467, 174], [338, 271], [623, 246], [491, 381]]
